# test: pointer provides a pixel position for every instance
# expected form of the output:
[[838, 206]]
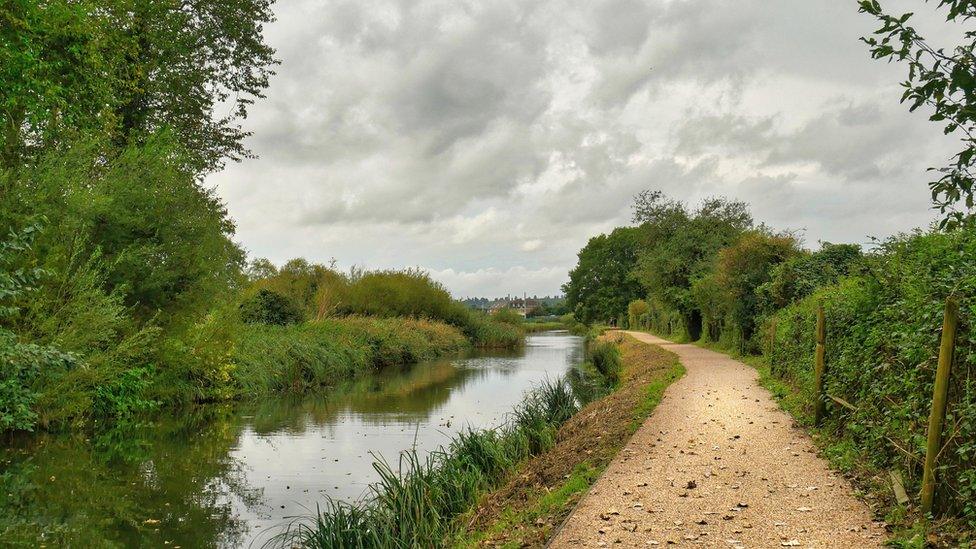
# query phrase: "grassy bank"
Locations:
[[75, 355], [302, 357], [422, 501], [543, 491], [417, 501], [228, 360]]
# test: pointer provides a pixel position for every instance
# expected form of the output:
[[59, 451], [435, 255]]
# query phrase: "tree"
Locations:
[[677, 247], [945, 81], [260, 268], [741, 269], [185, 59], [123, 70], [602, 283], [60, 72], [162, 240]]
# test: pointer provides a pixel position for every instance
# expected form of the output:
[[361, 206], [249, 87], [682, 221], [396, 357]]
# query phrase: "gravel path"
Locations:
[[718, 464]]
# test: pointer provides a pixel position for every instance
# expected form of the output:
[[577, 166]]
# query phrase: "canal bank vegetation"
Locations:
[[417, 501], [76, 353], [712, 276], [576, 422]]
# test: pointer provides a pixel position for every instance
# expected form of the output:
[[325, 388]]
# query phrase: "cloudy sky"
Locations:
[[486, 141]]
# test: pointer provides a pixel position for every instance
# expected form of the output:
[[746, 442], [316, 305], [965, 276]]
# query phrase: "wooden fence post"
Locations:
[[940, 392], [820, 405]]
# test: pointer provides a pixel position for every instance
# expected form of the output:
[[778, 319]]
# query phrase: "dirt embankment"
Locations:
[[536, 500]]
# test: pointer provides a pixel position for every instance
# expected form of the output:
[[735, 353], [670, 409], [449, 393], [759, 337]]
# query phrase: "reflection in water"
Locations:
[[225, 475]]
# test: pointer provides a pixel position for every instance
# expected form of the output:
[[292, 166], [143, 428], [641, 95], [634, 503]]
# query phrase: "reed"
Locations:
[[416, 503]]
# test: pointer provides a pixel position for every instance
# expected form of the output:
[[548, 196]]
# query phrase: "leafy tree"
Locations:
[[60, 73], [945, 81], [260, 268], [677, 247], [602, 283], [742, 268], [186, 59], [163, 240], [125, 69]]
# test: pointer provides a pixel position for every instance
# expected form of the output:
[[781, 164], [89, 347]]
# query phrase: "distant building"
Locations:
[[523, 306]]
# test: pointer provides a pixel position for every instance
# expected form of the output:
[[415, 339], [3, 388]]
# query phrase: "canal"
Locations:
[[232, 475]]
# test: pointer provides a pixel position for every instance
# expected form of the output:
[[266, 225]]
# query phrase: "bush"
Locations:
[[883, 331], [409, 292], [268, 307], [21, 364], [637, 314]]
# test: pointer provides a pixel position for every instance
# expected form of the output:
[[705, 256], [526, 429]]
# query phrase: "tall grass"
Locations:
[[296, 358], [416, 504], [486, 332]]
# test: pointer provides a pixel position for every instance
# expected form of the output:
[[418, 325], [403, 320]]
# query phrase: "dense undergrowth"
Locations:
[[883, 332]]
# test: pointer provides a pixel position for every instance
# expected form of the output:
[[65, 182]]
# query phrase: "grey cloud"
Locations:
[[855, 141], [726, 131], [492, 139], [619, 26]]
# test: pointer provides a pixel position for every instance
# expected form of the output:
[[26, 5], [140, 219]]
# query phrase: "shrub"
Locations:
[[268, 307], [409, 292], [21, 364], [883, 330], [637, 314]]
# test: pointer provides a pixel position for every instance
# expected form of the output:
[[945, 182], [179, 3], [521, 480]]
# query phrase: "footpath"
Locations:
[[719, 464]]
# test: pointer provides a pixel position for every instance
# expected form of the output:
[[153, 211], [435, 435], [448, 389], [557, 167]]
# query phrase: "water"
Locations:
[[231, 475]]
